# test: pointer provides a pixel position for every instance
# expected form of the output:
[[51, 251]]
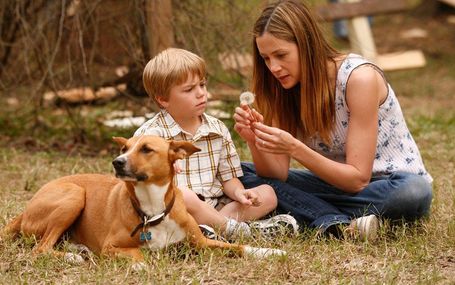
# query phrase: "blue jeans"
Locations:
[[317, 204]]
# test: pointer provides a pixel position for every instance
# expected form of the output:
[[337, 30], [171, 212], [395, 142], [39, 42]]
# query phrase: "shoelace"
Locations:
[[274, 229]]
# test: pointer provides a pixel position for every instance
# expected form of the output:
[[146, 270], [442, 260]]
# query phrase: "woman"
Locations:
[[337, 116]]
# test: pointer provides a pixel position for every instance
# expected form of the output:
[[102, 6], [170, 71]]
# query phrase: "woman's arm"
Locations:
[[267, 164], [365, 91]]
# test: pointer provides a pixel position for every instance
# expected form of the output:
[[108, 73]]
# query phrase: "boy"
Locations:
[[176, 80]]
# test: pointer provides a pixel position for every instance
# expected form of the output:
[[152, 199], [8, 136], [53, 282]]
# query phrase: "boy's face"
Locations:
[[187, 100]]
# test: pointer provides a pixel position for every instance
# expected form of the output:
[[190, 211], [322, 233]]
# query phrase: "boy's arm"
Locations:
[[234, 189], [229, 169]]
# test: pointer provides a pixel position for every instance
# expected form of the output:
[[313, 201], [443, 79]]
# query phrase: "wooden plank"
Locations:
[[338, 11], [449, 2], [361, 38], [360, 34], [401, 60]]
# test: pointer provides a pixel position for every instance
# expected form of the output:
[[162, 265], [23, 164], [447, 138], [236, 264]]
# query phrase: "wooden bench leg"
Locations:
[[362, 42], [360, 36]]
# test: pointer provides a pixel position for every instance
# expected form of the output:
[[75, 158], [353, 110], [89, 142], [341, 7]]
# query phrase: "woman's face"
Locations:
[[282, 59]]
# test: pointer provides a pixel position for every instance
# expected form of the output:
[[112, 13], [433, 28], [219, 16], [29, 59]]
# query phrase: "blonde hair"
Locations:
[[169, 68], [309, 107]]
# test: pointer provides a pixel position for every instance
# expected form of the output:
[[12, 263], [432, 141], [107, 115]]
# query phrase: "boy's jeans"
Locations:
[[317, 204]]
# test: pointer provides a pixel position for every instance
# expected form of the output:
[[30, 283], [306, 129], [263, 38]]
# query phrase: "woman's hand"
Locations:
[[274, 140], [244, 118]]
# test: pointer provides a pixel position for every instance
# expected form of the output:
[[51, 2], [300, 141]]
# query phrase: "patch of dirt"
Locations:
[[446, 264]]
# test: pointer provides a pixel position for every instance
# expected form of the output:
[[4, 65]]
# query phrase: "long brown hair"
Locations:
[[309, 107]]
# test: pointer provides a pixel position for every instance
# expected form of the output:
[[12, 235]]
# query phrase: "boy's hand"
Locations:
[[247, 197]]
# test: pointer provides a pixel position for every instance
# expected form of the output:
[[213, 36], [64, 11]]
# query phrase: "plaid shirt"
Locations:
[[203, 171]]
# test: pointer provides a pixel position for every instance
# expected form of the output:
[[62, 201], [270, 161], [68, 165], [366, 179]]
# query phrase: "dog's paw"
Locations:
[[138, 266], [263, 252], [73, 258]]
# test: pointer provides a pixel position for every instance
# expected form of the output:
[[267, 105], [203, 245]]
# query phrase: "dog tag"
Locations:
[[145, 236]]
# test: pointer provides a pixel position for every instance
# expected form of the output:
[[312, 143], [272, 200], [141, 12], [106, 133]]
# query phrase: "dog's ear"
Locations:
[[180, 149], [121, 141]]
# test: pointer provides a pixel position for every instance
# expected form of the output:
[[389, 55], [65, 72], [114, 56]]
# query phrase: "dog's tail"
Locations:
[[13, 228]]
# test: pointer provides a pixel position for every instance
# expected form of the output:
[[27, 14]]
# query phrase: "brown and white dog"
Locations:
[[117, 216]]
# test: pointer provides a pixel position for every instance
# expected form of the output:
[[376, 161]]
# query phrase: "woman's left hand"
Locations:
[[274, 140]]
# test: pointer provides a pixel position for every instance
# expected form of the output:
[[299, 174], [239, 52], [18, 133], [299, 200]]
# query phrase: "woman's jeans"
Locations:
[[317, 204]]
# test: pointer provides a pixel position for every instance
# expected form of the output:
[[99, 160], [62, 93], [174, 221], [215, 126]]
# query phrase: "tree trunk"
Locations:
[[159, 20]]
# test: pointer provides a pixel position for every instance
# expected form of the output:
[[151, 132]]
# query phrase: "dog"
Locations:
[[116, 216]]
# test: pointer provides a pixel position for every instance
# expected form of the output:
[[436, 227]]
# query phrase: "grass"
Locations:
[[421, 253]]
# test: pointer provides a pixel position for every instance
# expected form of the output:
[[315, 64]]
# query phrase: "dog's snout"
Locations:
[[119, 162]]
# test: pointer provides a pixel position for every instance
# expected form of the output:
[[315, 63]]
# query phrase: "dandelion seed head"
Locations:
[[247, 98]]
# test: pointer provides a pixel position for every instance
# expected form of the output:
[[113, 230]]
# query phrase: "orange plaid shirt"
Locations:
[[203, 171]]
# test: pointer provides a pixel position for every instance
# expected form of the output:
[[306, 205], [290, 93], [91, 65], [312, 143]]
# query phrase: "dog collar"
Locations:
[[149, 221]]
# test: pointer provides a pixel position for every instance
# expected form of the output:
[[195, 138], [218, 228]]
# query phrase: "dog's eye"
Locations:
[[146, 149], [123, 149]]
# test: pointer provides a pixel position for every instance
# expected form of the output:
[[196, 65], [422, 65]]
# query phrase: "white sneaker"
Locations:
[[210, 233], [365, 228], [279, 224], [235, 230]]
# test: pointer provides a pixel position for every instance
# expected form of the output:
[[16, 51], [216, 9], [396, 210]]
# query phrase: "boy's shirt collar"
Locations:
[[207, 126]]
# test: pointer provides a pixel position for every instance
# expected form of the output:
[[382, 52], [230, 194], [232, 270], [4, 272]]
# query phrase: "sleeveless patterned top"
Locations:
[[396, 150]]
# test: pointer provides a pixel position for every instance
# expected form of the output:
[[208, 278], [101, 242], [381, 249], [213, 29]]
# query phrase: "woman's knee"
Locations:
[[416, 188], [414, 194], [422, 194]]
